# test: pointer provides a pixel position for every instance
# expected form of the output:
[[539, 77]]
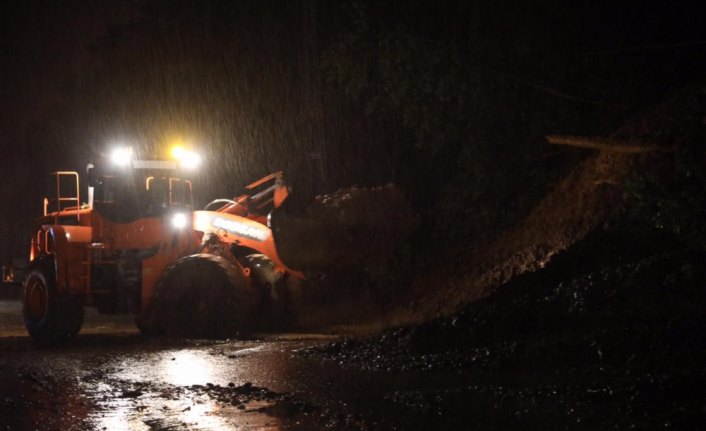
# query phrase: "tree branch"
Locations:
[[602, 144]]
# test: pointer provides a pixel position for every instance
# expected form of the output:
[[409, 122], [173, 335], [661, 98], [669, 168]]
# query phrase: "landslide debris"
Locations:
[[585, 200], [608, 335]]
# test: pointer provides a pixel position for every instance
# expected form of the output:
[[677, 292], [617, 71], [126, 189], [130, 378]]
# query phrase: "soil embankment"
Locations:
[[606, 336], [587, 315], [587, 199]]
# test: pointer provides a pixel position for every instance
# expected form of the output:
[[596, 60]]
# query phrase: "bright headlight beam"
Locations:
[[178, 152], [179, 220], [121, 156], [187, 159], [191, 160]]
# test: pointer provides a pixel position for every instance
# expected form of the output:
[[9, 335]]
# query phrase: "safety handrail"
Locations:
[[59, 198]]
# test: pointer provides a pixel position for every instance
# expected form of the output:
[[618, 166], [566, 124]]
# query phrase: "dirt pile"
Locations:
[[353, 226], [607, 335], [575, 319], [585, 200]]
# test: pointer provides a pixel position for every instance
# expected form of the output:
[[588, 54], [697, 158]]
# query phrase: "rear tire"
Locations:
[[200, 296], [49, 316]]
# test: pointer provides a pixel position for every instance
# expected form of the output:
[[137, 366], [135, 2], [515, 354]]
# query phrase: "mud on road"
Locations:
[[111, 378]]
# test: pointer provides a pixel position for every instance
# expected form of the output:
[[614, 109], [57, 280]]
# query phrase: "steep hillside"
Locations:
[[585, 201]]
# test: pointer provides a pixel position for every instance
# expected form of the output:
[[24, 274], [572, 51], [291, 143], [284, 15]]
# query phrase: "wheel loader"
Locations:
[[139, 246]]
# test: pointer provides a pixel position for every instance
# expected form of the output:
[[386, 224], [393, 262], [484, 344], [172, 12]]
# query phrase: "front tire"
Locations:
[[200, 296], [276, 311], [49, 316]]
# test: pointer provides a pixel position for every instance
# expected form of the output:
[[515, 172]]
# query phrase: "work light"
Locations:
[[179, 220]]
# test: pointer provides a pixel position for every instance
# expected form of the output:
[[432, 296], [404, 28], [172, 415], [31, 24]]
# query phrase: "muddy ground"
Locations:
[[111, 378], [608, 335]]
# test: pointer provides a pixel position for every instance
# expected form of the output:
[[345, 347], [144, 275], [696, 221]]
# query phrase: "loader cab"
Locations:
[[148, 189]]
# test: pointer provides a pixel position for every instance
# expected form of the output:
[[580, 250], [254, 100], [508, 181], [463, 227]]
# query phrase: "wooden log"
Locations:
[[603, 144]]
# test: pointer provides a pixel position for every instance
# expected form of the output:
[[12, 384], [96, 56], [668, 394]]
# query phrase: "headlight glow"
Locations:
[[187, 159], [121, 156], [179, 220]]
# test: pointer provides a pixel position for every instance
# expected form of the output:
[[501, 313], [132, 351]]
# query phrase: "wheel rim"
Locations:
[[36, 298]]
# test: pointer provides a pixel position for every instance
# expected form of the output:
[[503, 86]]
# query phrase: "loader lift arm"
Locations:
[[243, 222]]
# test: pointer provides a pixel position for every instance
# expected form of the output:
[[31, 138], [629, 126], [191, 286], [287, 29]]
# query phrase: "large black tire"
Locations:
[[50, 317], [275, 306], [200, 296]]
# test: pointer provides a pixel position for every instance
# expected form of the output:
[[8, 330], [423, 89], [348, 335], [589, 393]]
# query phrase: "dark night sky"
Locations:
[[243, 81]]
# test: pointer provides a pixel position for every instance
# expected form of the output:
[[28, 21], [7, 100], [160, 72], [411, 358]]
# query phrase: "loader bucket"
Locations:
[[354, 226]]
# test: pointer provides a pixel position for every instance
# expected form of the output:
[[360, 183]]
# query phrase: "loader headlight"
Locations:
[[187, 159], [121, 156], [179, 220]]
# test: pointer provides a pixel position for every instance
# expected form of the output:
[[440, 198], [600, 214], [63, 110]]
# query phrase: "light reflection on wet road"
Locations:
[[111, 378], [169, 381]]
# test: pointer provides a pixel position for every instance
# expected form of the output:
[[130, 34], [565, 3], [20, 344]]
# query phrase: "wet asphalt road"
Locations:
[[111, 378]]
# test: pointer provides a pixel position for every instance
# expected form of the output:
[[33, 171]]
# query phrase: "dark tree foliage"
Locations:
[[479, 84]]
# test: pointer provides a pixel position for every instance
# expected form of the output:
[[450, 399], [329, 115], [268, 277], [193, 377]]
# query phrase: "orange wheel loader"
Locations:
[[138, 246]]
